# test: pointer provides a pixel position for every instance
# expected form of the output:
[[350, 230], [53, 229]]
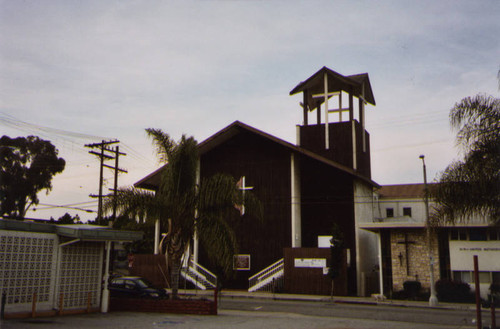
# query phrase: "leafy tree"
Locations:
[[472, 186], [143, 246], [67, 219], [27, 166], [184, 207]]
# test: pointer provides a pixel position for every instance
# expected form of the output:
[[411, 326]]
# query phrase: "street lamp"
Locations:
[[433, 301]]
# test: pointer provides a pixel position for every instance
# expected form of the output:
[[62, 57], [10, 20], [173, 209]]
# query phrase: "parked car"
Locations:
[[134, 287]]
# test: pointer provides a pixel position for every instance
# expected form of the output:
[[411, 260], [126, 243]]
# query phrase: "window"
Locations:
[[494, 235], [485, 277], [458, 235], [389, 212], [407, 211], [495, 277], [130, 285], [462, 276], [477, 234]]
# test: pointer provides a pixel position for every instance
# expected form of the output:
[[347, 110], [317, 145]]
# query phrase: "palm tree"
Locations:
[[184, 207], [472, 186]]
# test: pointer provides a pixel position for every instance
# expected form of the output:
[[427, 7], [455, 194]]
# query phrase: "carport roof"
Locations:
[[83, 232]]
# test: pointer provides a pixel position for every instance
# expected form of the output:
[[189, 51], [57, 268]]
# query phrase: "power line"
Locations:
[[14, 122], [52, 206], [73, 138]]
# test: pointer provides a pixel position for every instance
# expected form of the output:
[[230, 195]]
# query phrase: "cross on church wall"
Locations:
[[407, 244], [242, 187]]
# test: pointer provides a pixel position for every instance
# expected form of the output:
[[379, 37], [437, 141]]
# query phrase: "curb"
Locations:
[[336, 299]]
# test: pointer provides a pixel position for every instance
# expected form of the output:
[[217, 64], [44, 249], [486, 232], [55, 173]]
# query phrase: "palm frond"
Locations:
[[134, 203], [471, 187], [477, 120], [218, 192], [218, 239], [163, 143], [179, 176]]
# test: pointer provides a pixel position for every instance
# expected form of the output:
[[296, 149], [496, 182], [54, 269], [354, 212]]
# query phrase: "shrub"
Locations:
[[454, 291], [412, 288]]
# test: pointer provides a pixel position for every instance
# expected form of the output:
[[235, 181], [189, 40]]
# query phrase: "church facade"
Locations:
[[324, 180], [305, 188]]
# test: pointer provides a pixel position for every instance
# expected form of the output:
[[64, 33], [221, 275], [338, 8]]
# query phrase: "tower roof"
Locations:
[[336, 82]]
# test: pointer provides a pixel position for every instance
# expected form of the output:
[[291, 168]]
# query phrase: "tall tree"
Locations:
[[27, 166], [184, 207], [471, 187]]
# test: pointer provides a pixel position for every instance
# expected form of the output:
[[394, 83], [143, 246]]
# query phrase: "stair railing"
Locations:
[[199, 276], [268, 277]]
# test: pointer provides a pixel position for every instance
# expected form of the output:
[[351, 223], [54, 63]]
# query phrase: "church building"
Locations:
[[305, 188]]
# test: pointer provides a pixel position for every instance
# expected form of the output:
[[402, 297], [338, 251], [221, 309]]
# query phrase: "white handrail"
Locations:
[[268, 276], [199, 275], [270, 267], [205, 273]]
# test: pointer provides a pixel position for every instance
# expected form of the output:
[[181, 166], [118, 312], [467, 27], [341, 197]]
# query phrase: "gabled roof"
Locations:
[[336, 82], [152, 180], [404, 191]]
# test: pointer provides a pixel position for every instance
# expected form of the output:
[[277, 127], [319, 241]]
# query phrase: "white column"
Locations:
[[354, 148], [157, 237], [295, 202], [297, 138], [195, 247], [105, 291], [362, 118], [195, 236], [327, 132], [380, 273], [340, 106]]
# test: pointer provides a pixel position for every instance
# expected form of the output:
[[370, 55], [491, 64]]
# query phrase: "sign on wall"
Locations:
[[310, 262], [324, 241], [241, 262], [462, 255]]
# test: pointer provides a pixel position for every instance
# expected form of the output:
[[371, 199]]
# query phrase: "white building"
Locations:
[[47, 268], [400, 222]]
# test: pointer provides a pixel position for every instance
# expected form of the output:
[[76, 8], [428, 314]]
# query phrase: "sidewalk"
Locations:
[[319, 298]]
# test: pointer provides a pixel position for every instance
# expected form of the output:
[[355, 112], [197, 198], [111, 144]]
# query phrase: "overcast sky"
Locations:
[[110, 69]]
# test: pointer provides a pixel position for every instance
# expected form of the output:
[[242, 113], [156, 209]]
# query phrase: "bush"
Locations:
[[412, 288], [454, 291]]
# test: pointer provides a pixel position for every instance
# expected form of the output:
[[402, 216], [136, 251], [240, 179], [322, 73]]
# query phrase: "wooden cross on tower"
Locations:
[[407, 242]]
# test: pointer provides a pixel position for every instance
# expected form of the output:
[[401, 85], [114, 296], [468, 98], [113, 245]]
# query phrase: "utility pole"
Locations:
[[433, 301], [106, 153]]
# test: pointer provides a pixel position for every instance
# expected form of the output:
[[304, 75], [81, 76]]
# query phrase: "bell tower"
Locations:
[[338, 134]]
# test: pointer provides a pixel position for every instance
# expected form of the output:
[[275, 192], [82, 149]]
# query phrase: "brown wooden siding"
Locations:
[[312, 137], [266, 166], [327, 198], [151, 267], [312, 280]]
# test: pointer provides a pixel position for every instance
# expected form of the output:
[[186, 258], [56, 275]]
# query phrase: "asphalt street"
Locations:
[[257, 313], [225, 319]]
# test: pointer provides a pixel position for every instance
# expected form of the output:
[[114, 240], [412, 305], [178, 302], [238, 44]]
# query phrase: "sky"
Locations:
[[79, 72]]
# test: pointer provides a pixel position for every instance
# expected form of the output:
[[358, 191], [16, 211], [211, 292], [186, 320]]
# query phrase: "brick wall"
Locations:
[[418, 258], [180, 306]]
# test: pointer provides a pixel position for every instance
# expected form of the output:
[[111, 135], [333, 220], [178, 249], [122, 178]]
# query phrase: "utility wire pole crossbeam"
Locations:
[[103, 156]]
